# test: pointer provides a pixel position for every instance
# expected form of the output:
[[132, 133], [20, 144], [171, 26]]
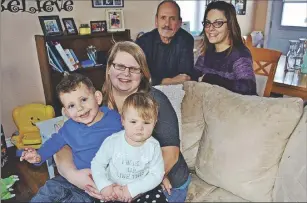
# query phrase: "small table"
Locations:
[[291, 83]]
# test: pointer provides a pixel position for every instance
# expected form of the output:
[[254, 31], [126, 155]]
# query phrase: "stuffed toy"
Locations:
[[6, 185], [25, 118]]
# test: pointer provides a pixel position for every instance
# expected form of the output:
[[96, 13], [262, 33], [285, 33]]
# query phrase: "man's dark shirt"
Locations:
[[168, 60]]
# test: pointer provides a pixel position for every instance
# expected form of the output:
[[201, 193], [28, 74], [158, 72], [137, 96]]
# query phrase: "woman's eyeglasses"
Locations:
[[215, 24], [121, 67]]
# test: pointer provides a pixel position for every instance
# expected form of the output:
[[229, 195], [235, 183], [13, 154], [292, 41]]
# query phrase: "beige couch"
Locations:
[[243, 148]]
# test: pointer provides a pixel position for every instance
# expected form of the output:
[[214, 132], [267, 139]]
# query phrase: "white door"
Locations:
[[288, 21]]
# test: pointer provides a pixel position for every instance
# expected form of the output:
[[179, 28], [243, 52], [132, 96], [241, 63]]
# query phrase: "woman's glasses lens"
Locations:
[[215, 24], [123, 68]]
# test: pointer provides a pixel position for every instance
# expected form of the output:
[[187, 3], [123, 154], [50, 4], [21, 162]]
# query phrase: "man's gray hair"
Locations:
[[174, 3]]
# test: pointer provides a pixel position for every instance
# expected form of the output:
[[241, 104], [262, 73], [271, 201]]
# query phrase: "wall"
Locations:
[[20, 75], [246, 21], [260, 15]]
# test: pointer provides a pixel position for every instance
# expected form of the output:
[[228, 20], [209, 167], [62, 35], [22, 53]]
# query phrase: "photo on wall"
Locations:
[[115, 20], [240, 6], [107, 3]]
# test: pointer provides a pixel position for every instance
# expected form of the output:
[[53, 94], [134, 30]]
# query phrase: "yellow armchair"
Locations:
[[25, 118]]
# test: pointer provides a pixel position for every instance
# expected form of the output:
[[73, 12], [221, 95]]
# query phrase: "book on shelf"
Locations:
[[74, 55], [71, 58], [57, 58], [64, 59], [61, 51], [53, 61]]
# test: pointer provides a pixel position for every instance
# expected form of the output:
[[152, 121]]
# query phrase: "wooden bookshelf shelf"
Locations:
[[78, 43]]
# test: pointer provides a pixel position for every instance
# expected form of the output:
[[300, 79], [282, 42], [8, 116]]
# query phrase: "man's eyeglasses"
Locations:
[[216, 24], [121, 67]]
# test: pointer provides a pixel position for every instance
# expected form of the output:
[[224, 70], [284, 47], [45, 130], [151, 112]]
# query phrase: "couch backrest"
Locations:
[[193, 123], [290, 185], [282, 114]]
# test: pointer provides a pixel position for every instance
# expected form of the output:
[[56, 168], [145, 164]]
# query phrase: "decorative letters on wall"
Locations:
[[36, 6]]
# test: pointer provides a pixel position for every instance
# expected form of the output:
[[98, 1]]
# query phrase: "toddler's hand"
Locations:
[[30, 155], [126, 197], [107, 193], [166, 185], [118, 190]]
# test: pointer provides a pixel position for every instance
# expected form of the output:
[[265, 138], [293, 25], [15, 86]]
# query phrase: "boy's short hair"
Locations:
[[144, 104], [70, 83]]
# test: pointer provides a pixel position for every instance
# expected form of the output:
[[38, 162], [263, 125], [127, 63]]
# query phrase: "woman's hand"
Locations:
[[166, 185], [81, 178], [93, 192]]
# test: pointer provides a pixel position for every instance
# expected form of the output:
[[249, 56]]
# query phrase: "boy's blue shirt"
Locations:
[[84, 140]]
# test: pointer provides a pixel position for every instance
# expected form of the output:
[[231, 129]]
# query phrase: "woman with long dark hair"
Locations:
[[224, 59]]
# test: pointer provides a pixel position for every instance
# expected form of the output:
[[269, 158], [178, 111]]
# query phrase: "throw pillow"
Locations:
[[244, 140], [175, 94]]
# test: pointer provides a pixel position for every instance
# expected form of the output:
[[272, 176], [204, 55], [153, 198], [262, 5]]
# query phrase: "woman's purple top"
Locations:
[[233, 71]]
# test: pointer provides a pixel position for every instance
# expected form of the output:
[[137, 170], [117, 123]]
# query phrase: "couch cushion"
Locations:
[[244, 140], [290, 185], [221, 195], [198, 190], [193, 123]]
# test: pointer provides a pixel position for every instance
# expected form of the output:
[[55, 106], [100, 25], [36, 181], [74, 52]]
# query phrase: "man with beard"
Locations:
[[169, 48]]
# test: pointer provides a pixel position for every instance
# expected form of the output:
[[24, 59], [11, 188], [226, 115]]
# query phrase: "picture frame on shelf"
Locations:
[[115, 20], [51, 25], [107, 3], [70, 26], [98, 26]]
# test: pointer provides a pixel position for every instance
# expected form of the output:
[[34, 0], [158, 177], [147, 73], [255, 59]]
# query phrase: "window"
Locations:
[[193, 11], [294, 13]]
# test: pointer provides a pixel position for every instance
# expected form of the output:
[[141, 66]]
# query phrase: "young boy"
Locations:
[[130, 162], [84, 132]]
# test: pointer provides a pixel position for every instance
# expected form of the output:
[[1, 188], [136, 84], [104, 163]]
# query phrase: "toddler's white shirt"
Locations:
[[140, 168]]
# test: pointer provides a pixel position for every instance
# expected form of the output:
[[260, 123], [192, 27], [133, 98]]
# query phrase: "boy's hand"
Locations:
[[107, 193], [30, 155], [166, 185], [126, 194]]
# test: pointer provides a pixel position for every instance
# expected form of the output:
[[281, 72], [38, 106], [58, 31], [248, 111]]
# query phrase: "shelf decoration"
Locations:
[[98, 26], [51, 25], [70, 26]]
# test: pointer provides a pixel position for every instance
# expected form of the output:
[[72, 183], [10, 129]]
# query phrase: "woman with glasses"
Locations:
[[224, 59], [126, 73]]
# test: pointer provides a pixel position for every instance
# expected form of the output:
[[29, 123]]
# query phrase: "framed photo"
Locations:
[[240, 6], [115, 20], [70, 26], [98, 26], [51, 25], [107, 3]]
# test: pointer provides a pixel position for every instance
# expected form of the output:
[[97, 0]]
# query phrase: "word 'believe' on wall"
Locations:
[[36, 5]]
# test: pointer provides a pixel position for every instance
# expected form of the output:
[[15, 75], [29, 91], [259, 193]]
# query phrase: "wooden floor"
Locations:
[[31, 178]]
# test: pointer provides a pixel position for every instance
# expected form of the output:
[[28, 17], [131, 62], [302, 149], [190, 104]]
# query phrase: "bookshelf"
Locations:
[[50, 77]]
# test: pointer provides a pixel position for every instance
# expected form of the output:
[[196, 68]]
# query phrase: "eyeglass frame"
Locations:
[[129, 68], [208, 22]]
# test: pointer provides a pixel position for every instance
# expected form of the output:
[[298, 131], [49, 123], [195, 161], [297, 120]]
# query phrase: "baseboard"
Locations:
[[8, 142]]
